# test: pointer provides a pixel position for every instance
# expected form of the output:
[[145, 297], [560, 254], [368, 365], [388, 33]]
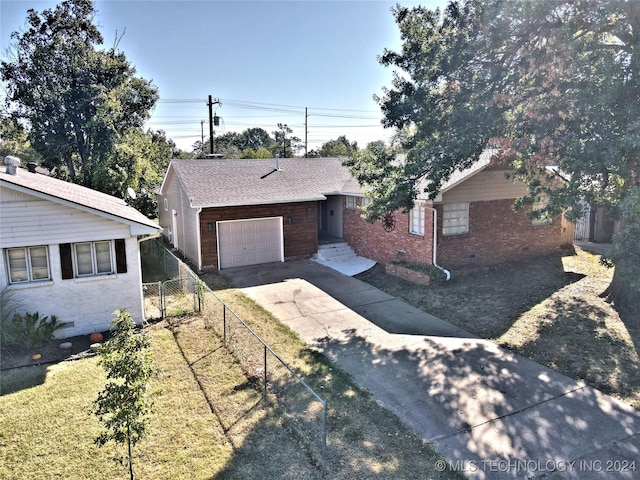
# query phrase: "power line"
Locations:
[[263, 105]]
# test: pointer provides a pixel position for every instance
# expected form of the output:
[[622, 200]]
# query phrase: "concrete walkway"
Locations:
[[491, 413]]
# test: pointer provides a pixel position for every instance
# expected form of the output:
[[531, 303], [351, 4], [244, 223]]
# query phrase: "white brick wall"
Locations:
[[86, 304]]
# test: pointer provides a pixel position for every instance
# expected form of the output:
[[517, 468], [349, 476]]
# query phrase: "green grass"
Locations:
[[210, 420]]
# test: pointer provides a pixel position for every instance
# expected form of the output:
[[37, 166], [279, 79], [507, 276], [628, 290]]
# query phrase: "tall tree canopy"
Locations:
[[78, 101], [545, 83], [340, 147], [251, 143], [286, 144]]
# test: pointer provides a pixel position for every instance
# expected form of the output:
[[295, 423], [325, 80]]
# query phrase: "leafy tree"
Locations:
[[77, 102], [123, 407], [14, 141], [255, 138], [249, 144], [341, 147], [227, 144], [285, 144], [261, 152], [542, 83], [139, 162]]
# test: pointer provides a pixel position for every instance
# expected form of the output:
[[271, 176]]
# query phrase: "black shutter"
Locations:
[[66, 262], [121, 256]]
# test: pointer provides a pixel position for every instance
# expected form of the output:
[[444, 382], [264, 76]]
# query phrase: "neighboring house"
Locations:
[[70, 251], [223, 213]]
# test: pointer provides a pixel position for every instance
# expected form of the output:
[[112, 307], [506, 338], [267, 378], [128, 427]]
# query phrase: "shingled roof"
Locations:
[[232, 182], [43, 186]]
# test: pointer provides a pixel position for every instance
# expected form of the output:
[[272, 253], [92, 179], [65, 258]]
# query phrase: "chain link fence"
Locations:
[[176, 289], [304, 411]]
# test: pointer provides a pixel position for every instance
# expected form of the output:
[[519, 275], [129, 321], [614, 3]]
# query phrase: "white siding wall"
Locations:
[[484, 186], [188, 229], [88, 303], [164, 214], [29, 222], [190, 232]]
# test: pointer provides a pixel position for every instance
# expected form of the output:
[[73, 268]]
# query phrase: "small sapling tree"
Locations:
[[124, 407]]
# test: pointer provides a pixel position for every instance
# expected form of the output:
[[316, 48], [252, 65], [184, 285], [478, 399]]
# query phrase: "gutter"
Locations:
[[435, 243], [144, 238]]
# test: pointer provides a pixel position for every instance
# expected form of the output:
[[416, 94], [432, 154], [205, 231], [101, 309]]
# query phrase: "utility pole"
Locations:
[[211, 103], [306, 116]]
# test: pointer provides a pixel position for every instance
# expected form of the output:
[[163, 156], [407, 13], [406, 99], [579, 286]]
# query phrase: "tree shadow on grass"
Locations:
[[21, 370], [487, 301], [631, 320], [22, 378], [365, 440], [476, 402], [580, 339]]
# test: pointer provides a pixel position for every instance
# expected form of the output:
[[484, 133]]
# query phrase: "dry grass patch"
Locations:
[[210, 420], [548, 310]]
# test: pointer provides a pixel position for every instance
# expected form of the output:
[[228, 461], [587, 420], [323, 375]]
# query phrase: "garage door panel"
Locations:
[[250, 242]]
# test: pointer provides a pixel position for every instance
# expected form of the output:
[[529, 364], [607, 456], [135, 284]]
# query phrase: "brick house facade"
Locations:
[[208, 207], [497, 235], [370, 240]]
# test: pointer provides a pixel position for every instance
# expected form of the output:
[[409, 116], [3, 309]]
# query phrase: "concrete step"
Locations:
[[341, 257], [336, 251]]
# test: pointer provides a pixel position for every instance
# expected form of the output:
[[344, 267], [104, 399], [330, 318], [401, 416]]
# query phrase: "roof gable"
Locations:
[[77, 196]]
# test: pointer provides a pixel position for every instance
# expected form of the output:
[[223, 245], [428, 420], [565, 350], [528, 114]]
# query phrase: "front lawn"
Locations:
[[549, 310], [210, 421]]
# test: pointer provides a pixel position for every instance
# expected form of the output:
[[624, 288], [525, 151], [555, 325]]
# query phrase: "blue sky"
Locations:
[[265, 60]]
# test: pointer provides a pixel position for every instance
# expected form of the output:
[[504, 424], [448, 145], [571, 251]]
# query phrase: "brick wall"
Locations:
[[300, 237], [372, 241], [496, 235]]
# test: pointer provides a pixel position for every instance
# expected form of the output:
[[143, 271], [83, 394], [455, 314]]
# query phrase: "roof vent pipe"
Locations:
[[12, 164], [277, 162], [31, 166]]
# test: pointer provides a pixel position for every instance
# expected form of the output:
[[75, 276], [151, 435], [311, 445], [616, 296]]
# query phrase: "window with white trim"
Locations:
[[416, 219], [455, 218], [84, 259], [351, 202], [93, 258], [366, 201], [28, 264]]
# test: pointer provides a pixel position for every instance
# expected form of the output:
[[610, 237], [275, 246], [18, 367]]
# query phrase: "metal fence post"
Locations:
[[224, 323], [265, 372], [160, 299], [163, 306], [324, 437]]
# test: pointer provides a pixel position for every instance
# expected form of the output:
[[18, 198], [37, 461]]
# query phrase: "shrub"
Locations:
[[9, 332], [32, 330]]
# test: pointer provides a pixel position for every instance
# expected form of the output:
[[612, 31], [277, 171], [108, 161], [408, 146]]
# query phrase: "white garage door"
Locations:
[[250, 242]]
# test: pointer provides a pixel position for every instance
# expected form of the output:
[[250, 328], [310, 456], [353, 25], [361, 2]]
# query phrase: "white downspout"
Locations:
[[435, 243]]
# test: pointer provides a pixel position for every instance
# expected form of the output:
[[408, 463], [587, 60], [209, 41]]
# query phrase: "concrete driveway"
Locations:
[[491, 413]]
